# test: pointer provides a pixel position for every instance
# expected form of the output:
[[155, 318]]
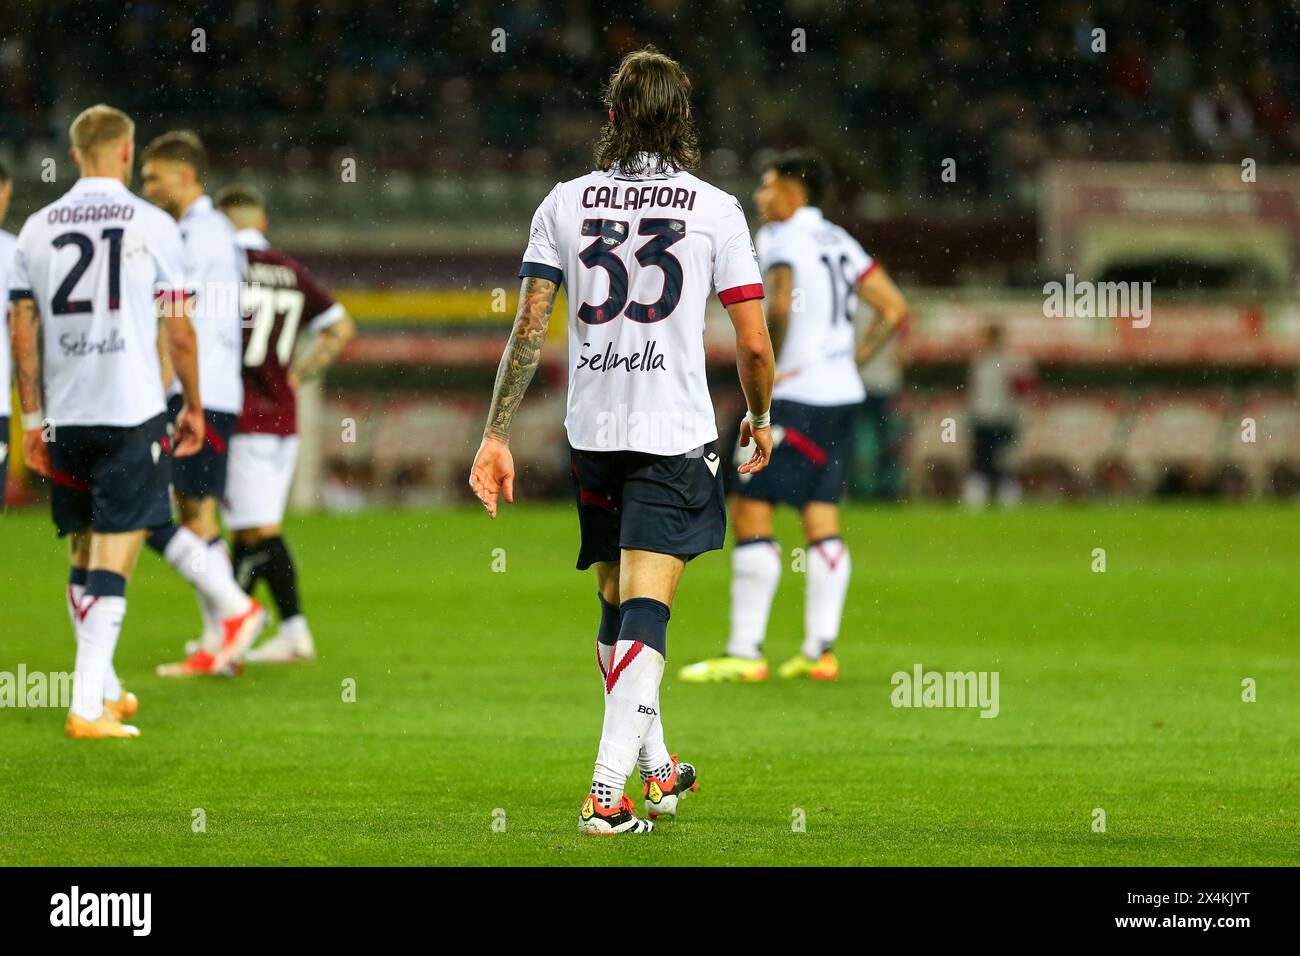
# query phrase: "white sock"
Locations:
[[828, 583], [654, 755], [208, 569], [294, 627], [654, 752], [98, 626], [975, 490], [112, 686], [755, 573], [603, 654], [631, 703], [219, 554]]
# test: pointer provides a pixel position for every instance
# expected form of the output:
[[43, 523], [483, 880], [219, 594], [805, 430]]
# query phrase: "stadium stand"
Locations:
[[1270, 463], [1175, 442], [1064, 440]]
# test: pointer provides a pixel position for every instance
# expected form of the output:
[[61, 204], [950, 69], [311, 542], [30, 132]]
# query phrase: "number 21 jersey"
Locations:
[[638, 256], [94, 262]]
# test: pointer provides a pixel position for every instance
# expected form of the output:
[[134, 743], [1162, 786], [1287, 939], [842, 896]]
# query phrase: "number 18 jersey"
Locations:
[[94, 261], [638, 256], [827, 265]]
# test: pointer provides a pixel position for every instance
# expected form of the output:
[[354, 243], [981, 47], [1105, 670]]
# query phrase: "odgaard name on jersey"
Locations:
[[638, 197], [103, 212], [649, 359]]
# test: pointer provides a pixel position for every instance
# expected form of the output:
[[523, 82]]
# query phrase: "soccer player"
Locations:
[[280, 299], [639, 243], [174, 168], [7, 243], [90, 267], [814, 272]]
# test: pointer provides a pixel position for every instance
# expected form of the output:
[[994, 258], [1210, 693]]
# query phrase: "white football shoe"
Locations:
[[291, 644]]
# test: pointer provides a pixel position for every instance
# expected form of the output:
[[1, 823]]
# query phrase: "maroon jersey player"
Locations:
[[281, 301]]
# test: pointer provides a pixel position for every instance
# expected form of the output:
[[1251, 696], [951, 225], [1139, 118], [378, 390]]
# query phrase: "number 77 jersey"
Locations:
[[279, 300], [638, 256], [94, 261]]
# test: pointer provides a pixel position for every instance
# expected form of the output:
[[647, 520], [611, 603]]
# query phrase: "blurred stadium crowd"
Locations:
[[889, 89], [458, 139]]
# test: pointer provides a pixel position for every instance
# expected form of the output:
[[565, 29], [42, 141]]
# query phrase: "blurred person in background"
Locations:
[[999, 382], [281, 300], [815, 273], [8, 242], [883, 379], [174, 168]]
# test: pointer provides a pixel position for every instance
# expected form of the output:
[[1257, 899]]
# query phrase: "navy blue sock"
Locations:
[[101, 583], [160, 537], [608, 633], [645, 620]]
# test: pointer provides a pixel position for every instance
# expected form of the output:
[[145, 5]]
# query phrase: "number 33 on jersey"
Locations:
[[638, 256]]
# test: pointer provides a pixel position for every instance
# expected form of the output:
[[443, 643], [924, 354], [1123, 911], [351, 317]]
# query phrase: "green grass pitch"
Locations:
[[477, 691]]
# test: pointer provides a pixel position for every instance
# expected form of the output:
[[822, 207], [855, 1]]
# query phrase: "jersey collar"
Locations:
[[200, 207], [809, 214], [251, 239], [658, 168], [97, 184]]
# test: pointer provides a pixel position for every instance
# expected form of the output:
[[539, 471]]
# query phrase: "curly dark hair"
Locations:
[[649, 95], [805, 167]]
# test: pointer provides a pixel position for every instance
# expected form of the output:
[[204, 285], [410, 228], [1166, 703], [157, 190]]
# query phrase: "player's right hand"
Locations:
[[36, 451], [190, 431], [493, 471], [762, 438]]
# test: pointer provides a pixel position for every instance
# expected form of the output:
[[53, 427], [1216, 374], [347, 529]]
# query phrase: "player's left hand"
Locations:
[[36, 451], [191, 429], [762, 438], [493, 471]]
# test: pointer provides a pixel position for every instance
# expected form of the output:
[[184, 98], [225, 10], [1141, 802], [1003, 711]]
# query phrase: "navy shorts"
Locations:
[[203, 474], [812, 448], [109, 479], [4, 452], [670, 504]]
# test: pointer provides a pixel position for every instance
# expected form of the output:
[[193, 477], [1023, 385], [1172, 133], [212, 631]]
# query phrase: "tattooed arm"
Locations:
[[494, 468], [325, 348], [25, 330]]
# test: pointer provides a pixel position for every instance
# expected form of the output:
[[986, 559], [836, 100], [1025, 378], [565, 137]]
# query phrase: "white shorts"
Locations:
[[259, 472]]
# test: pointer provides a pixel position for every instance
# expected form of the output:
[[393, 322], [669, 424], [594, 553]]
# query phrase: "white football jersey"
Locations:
[[827, 265], [94, 261], [215, 267], [7, 244], [638, 256]]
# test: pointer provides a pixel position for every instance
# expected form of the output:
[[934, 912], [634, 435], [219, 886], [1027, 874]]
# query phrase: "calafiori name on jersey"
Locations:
[[649, 359], [637, 197]]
